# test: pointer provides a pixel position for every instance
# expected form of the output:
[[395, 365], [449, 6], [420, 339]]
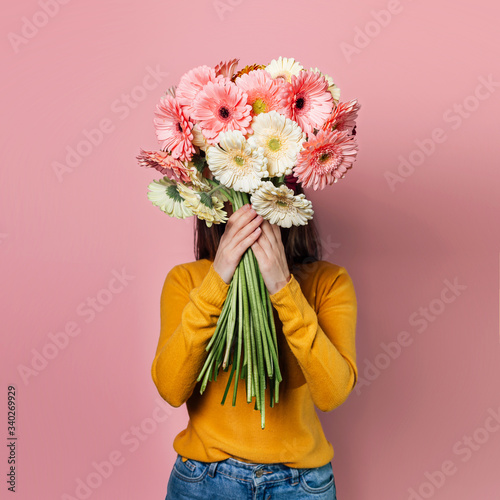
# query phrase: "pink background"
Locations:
[[62, 238]]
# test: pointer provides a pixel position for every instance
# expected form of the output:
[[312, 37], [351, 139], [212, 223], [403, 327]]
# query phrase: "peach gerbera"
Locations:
[[343, 117], [263, 92], [325, 159], [164, 163], [307, 100], [222, 106], [173, 129]]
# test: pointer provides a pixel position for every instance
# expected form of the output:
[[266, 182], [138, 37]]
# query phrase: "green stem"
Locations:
[[257, 307], [218, 186], [240, 337], [232, 317]]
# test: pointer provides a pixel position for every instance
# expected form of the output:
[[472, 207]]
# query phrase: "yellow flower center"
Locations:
[[274, 144], [259, 106], [281, 203], [239, 161], [324, 157]]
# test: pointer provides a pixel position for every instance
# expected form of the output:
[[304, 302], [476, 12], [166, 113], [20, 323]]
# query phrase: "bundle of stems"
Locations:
[[245, 335]]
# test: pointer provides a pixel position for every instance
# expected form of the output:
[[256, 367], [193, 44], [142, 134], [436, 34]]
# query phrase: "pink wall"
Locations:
[[433, 406]]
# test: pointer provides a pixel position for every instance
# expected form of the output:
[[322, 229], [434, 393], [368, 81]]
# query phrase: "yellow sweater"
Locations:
[[315, 316]]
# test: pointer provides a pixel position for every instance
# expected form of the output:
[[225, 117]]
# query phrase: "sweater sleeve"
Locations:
[[323, 341], [188, 320]]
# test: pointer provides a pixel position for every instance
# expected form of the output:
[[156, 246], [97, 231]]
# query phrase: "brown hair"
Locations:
[[301, 242]]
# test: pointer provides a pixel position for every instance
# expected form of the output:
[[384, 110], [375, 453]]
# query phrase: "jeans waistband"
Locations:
[[251, 467]]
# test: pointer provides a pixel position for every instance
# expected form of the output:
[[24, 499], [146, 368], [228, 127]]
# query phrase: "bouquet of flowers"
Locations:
[[249, 136]]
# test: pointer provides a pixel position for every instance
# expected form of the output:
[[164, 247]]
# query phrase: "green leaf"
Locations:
[[199, 162], [206, 199]]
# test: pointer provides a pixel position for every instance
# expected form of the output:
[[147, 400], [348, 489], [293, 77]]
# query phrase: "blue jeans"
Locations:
[[232, 479]]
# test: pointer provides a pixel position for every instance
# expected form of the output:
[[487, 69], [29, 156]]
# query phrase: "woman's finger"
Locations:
[[238, 220], [242, 229], [266, 239]]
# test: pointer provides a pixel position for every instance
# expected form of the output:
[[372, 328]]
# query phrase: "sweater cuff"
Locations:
[[213, 289], [284, 297]]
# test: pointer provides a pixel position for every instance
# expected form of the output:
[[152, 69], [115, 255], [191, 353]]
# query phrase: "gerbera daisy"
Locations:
[[247, 69], [308, 100], [280, 206], [191, 83], [263, 93], [235, 163], [199, 139], [163, 193], [226, 68], [291, 182], [164, 163], [343, 117], [173, 129], [281, 139], [222, 106], [333, 89], [325, 159], [208, 207], [196, 177], [284, 68]]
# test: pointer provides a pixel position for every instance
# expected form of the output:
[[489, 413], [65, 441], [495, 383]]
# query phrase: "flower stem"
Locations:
[[218, 186], [245, 328]]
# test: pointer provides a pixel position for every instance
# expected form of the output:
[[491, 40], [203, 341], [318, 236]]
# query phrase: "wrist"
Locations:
[[279, 285], [223, 276]]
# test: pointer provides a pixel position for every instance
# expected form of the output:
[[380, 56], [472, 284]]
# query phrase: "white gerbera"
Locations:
[[196, 176], [164, 194], [334, 90], [208, 207], [236, 164], [280, 206], [281, 139], [194, 170], [284, 68]]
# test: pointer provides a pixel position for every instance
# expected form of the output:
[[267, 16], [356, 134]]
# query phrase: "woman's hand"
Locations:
[[270, 255], [242, 229]]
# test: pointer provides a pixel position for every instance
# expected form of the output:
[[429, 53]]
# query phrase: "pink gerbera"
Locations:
[[163, 162], [263, 91], [343, 117], [173, 129], [191, 83], [222, 106], [325, 159], [307, 100]]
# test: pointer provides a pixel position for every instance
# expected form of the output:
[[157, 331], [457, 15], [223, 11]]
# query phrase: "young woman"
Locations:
[[224, 453]]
